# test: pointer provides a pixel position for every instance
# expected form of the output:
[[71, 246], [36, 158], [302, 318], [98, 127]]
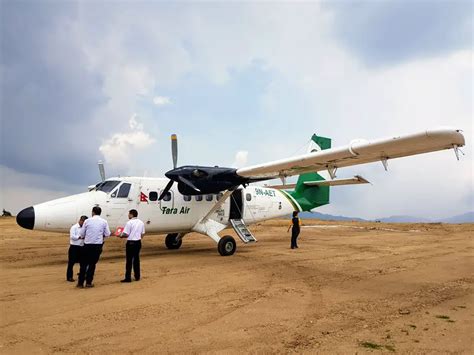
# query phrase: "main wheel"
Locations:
[[172, 241], [226, 245]]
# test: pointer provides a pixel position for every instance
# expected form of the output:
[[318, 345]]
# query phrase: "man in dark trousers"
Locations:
[[94, 230], [76, 243], [133, 231], [295, 229]]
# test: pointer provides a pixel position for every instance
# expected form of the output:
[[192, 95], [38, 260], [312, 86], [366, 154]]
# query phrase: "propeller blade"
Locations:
[[101, 169], [189, 183], [165, 191], [174, 150]]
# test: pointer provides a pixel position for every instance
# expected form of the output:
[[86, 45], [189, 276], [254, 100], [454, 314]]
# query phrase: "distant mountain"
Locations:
[[404, 219], [328, 217], [462, 218]]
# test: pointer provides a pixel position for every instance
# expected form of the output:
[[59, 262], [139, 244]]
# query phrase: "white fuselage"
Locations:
[[174, 214]]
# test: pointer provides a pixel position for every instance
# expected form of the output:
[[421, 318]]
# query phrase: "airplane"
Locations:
[[208, 199]]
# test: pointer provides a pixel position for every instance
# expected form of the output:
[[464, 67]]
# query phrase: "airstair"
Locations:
[[242, 230]]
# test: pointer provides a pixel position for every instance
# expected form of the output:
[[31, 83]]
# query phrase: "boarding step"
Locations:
[[242, 231]]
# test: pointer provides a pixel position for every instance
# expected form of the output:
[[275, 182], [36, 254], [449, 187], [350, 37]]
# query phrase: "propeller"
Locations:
[[174, 150], [165, 191], [174, 155], [101, 169]]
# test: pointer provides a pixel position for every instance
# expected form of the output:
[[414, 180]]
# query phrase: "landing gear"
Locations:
[[226, 246], [173, 241]]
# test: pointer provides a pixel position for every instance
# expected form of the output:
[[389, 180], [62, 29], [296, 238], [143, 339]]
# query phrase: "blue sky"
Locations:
[[240, 83]]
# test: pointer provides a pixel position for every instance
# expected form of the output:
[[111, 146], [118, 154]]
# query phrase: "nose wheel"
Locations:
[[173, 241], [226, 245]]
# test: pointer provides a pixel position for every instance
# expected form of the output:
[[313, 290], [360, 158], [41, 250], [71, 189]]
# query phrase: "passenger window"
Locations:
[[219, 196], [187, 198], [153, 195], [198, 197], [209, 197], [167, 197], [248, 197], [114, 194], [124, 190]]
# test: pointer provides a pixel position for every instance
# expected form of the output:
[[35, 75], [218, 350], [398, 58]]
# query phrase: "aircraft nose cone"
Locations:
[[26, 218]]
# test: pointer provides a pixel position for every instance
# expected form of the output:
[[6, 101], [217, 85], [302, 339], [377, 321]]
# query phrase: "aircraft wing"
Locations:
[[358, 152]]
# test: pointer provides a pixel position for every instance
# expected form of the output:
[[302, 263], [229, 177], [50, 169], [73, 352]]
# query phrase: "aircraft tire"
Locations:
[[172, 243], [226, 245]]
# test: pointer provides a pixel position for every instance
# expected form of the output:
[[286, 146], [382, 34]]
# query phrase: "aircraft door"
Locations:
[[118, 203], [236, 205]]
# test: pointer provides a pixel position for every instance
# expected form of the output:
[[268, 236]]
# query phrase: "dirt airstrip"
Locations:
[[350, 287]]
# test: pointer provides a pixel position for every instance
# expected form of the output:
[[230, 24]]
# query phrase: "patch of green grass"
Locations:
[[369, 345], [375, 346], [442, 317], [390, 348]]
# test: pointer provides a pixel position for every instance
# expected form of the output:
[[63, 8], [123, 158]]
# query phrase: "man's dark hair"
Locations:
[[83, 218], [295, 213], [96, 210], [134, 213]]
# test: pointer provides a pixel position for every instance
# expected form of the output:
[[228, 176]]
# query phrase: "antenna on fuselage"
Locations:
[[100, 163]]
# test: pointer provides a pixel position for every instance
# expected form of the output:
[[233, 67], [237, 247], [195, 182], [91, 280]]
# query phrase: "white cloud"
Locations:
[[161, 100], [133, 123], [241, 158], [119, 149]]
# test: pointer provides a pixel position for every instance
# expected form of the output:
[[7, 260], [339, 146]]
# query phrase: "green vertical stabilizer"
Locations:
[[309, 197]]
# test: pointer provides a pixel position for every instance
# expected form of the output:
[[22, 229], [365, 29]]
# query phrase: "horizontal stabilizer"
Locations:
[[337, 182]]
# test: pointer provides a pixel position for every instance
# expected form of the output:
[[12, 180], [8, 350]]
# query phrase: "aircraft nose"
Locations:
[[26, 218]]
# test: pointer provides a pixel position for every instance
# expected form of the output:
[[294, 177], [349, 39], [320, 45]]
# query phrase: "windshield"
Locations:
[[107, 186]]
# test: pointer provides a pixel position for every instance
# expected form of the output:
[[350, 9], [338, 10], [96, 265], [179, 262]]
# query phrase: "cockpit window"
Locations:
[[124, 190], [107, 186]]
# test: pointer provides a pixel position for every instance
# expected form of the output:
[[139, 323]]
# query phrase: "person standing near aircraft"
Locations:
[[76, 244], [133, 231], [295, 229], [94, 230]]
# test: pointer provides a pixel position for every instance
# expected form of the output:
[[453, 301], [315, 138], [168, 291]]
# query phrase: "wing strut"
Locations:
[[457, 150]]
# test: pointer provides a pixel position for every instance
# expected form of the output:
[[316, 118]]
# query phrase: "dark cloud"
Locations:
[[387, 32], [48, 92]]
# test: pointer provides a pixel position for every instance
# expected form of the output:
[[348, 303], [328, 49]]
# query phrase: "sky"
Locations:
[[240, 83]]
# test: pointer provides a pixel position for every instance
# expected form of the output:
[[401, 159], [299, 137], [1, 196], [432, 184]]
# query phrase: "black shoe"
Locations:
[[79, 286], [126, 280], [292, 247], [71, 280], [137, 279], [89, 285]]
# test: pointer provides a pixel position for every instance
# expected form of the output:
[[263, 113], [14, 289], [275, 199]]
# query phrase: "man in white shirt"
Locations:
[[94, 230], [76, 243], [133, 231]]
